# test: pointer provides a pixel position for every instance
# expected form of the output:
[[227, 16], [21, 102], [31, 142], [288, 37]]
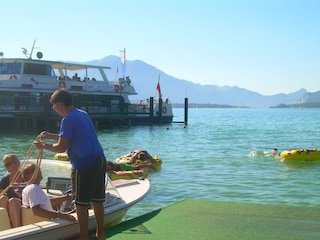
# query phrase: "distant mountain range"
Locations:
[[144, 78]]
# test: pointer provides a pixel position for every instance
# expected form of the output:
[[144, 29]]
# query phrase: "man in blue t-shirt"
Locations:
[[78, 137]]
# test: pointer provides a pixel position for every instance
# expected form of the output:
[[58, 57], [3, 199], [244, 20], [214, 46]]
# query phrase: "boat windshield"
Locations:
[[10, 68]]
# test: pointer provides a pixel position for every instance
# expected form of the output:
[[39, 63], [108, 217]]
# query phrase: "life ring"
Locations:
[[12, 77], [164, 110], [116, 88], [62, 84]]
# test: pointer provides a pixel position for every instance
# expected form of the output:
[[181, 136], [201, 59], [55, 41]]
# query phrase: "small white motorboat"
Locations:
[[120, 196]]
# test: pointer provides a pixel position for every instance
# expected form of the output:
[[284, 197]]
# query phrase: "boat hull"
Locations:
[[55, 229]]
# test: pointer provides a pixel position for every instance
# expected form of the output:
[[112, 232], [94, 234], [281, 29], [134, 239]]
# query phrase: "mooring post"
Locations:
[[151, 110], [160, 110], [186, 111]]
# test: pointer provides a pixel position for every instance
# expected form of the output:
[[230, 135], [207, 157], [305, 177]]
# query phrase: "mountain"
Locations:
[[308, 100], [144, 78]]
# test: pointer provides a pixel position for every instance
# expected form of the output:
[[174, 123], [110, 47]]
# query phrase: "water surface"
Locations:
[[223, 154]]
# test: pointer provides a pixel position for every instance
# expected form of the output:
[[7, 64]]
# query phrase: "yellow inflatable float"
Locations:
[[61, 157], [124, 171], [133, 174], [140, 159], [301, 154]]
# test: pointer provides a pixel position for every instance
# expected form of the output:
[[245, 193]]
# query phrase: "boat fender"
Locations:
[[116, 88], [13, 77], [164, 110], [62, 84]]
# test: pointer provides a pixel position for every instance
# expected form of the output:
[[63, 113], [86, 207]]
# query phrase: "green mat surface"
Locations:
[[205, 219]]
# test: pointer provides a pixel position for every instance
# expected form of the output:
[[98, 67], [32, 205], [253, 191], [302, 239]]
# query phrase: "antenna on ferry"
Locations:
[[25, 51], [34, 42]]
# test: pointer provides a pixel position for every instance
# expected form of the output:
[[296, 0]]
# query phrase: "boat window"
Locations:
[[22, 101], [37, 69], [10, 68]]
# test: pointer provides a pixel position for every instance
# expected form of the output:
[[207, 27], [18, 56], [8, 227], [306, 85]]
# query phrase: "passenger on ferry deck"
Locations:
[[11, 198], [75, 77], [128, 80]]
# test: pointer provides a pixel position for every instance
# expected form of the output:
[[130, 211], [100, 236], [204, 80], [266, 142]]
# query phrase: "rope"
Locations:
[[13, 182]]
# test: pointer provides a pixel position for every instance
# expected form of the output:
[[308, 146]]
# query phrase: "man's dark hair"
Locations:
[[61, 95]]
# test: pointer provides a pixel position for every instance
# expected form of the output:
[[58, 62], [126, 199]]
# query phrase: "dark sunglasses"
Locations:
[[8, 164]]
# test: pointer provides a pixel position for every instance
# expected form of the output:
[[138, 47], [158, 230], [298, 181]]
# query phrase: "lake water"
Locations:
[[223, 154]]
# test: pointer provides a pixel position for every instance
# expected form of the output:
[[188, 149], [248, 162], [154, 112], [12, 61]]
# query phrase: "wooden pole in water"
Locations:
[[186, 111], [151, 110], [160, 110]]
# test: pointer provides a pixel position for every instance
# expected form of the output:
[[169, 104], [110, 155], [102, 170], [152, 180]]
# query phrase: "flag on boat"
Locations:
[[158, 87], [123, 56], [123, 62]]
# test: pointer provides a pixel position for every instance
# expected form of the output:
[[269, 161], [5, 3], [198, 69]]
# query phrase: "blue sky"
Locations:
[[267, 46]]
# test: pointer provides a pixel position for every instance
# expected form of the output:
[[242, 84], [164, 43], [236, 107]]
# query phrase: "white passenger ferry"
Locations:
[[27, 84]]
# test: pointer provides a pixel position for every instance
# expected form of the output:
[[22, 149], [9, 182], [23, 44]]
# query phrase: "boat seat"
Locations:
[[28, 217], [5, 221]]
